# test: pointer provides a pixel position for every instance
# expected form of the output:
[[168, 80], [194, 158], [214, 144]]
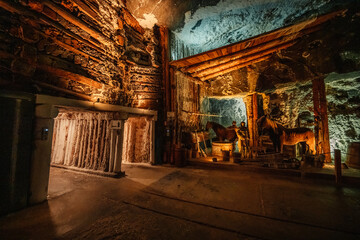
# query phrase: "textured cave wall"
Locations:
[[332, 53], [83, 49], [229, 21], [343, 109], [137, 137], [334, 48], [293, 106], [82, 139], [188, 102], [229, 110]]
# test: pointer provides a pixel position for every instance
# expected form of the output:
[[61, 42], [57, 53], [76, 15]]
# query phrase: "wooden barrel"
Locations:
[[179, 157], [217, 148], [353, 155], [226, 155], [237, 157]]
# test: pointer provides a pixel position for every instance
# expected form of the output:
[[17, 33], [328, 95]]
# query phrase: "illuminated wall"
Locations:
[[292, 106], [230, 21], [232, 109], [98, 53]]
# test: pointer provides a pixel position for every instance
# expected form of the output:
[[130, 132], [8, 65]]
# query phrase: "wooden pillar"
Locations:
[[164, 43], [252, 116], [337, 160], [320, 111], [172, 99]]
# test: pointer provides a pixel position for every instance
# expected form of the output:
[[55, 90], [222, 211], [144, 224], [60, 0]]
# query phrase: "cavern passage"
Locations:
[[97, 87]]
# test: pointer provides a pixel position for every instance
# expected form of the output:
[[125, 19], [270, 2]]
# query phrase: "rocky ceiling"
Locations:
[[199, 25]]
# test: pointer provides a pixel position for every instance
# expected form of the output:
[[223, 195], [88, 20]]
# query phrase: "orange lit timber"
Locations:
[[231, 63], [213, 75]]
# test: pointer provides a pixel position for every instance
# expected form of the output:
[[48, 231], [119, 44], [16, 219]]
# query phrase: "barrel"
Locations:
[[237, 157], [226, 155], [353, 155], [179, 157]]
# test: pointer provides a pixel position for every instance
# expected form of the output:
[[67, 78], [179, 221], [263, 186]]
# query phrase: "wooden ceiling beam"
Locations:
[[195, 80], [222, 72], [229, 62], [248, 51]]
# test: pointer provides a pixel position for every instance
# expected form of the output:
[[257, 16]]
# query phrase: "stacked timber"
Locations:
[[81, 49]]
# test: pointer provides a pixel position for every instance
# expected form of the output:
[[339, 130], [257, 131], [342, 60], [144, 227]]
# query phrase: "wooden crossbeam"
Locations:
[[222, 72], [195, 80], [232, 63]]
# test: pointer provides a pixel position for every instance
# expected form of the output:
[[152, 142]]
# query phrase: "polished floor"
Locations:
[[154, 202]]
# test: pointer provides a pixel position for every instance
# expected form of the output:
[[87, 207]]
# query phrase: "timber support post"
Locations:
[[322, 140], [337, 160], [252, 116], [168, 97]]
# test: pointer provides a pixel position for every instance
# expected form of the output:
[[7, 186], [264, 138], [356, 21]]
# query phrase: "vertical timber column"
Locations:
[[252, 107], [320, 110], [172, 109], [164, 43], [163, 147], [255, 118], [252, 115], [152, 141]]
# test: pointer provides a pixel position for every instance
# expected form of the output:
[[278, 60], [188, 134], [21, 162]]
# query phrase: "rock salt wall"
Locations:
[[332, 53], [82, 139], [224, 22], [83, 49], [137, 137], [229, 110], [188, 102], [292, 106]]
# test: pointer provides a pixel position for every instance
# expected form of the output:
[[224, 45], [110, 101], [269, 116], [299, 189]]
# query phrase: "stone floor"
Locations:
[[187, 203]]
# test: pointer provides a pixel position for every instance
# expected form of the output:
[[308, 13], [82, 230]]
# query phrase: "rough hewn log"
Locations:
[[77, 22], [71, 48], [234, 68], [69, 75], [87, 10], [238, 55], [79, 95], [145, 103], [230, 62], [131, 21], [147, 95], [195, 80], [147, 79], [164, 44], [16, 8]]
